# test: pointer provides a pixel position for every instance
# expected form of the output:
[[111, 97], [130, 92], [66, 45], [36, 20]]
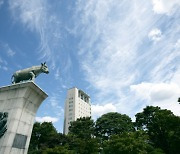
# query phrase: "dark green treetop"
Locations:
[[162, 126], [113, 123]]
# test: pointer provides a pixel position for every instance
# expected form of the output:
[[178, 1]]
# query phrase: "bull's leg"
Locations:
[[32, 76]]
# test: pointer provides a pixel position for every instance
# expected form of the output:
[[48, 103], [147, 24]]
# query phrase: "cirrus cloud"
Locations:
[[116, 50]]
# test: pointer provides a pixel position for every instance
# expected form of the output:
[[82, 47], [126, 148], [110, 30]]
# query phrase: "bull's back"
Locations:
[[25, 73]]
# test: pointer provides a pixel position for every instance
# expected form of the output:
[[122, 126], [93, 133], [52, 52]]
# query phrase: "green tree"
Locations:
[[58, 150], [83, 128], [112, 123], [83, 146], [129, 143], [41, 135], [162, 126], [81, 133]]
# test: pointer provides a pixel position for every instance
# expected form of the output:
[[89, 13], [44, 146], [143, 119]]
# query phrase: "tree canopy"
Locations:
[[113, 123], [162, 126], [45, 138], [129, 143], [81, 133], [83, 128], [155, 131]]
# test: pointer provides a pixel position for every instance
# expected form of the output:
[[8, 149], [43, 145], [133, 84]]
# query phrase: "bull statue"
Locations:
[[29, 73]]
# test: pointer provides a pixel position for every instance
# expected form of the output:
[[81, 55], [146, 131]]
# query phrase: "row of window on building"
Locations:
[[83, 97]]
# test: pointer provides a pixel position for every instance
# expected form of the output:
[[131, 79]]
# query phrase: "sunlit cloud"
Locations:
[[155, 34], [98, 110], [164, 6], [156, 91], [159, 94], [46, 119]]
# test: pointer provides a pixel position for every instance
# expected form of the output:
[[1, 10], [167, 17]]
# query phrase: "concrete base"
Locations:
[[21, 101]]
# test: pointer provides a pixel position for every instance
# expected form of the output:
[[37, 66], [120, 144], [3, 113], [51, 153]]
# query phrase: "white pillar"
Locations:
[[21, 102]]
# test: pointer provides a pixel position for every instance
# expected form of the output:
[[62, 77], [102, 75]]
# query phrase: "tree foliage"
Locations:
[[45, 138], [82, 128], [162, 126], [41, 134], [129, 143], [112, 123], [57, 150], [155, 131], [81, 133]]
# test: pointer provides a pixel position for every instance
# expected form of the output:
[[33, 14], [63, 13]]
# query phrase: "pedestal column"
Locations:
[[20, 102]]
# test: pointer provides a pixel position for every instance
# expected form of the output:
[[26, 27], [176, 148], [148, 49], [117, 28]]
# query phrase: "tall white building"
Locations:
[[77, 105]]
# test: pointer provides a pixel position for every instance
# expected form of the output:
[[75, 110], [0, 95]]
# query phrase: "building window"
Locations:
[[71, 102], [82, 96], [71, 105]]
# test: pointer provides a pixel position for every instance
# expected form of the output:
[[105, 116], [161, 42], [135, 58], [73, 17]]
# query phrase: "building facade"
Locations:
[[77, 104]]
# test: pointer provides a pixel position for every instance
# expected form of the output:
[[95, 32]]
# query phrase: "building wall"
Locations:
[[77, 104]]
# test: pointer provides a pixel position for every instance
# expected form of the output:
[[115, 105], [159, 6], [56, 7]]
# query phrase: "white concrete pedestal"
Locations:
[[21, 101]]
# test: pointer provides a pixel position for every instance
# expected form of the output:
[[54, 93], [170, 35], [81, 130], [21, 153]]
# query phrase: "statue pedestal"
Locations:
[[21, 102]]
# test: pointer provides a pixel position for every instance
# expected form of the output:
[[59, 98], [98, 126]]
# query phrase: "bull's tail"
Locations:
[[12, 79]]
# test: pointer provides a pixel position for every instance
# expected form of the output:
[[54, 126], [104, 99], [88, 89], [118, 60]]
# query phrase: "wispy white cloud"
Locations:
[[54, 101], [4, 68], [46, 119], [38, 17], [1, 2], [33, 14], [164, 6], [176, 76], [3, 64], [1, 61], [116, 52], [57, 74], [112, 31], [7, 49], [10, 52], [177, 45]]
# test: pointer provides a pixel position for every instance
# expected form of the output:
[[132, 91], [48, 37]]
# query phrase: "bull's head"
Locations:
[[44, 68]]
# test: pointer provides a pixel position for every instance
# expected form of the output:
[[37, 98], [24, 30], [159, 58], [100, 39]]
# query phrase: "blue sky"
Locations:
[[124, 53]]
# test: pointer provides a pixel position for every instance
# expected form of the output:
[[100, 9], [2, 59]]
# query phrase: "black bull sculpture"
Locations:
[[29, 73]]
